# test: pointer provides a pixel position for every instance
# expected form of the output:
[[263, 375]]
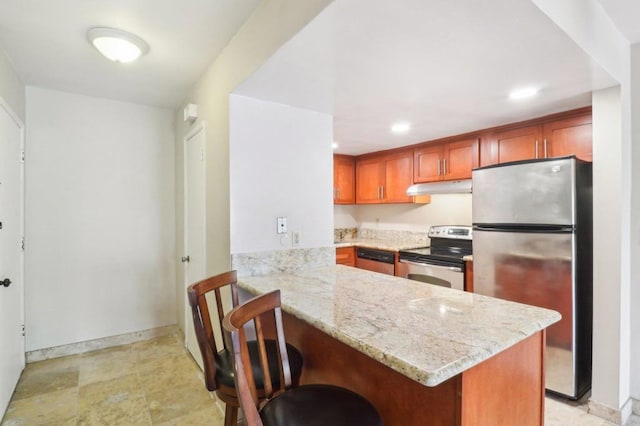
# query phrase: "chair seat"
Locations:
[[319, 405], [224, 367]]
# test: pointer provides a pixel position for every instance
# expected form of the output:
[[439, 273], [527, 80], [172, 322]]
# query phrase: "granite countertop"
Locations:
[[428, 333], [381, 244]]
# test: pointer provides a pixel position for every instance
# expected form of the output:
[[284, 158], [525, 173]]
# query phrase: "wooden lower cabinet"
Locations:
[[346, 256], [468, 276], [506, 389]]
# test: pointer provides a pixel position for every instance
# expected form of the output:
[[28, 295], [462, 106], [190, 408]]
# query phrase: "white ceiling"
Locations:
[[47, 44], [445, 66]]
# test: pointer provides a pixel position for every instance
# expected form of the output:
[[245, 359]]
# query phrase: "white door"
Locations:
[[194, 225], [11, 256]]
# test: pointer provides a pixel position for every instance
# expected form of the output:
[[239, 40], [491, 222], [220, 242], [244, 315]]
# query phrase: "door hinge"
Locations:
[[22, 156], [23, 330], [22, 244]]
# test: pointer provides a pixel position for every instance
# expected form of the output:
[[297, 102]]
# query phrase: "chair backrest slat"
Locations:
[[203, 326], [234, 322]]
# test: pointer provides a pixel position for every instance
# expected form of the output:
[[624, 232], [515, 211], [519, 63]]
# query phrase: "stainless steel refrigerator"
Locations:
[[532, 243]]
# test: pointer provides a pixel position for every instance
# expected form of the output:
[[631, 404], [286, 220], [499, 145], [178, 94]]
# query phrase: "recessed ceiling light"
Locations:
[[334, 145], [117, 45], [523, 93], [401, 127]]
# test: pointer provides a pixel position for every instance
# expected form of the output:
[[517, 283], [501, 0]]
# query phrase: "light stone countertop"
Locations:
[[428, 333], [381, 244]]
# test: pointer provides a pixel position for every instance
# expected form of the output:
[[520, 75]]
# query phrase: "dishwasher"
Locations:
[[376, 260]]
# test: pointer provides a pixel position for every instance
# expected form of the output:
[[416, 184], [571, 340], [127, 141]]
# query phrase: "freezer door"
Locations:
[[533, 192], [535, 269]]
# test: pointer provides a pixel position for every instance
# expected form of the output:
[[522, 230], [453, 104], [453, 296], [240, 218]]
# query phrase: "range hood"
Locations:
[[447, 187]]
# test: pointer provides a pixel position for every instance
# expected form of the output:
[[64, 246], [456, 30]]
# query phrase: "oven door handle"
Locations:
[[450, 268]]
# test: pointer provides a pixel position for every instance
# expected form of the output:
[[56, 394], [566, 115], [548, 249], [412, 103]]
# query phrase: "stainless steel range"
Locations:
[[441, 264]]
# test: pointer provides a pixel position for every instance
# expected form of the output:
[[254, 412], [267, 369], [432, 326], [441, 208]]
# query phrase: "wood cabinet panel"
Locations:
[[572, 136], [346, 256], [427, 164], [518, 144], [460, 158], [446, 161], [344, 180], [384, 179], [398, 176], [369, 180]]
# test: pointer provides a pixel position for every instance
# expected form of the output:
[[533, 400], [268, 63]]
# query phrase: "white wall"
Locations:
[[11, 88], [269, 27], [281, 164], [444, 209], [100, 246], [607, 278]]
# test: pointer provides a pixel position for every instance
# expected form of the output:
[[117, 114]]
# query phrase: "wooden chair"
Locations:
[[305, 405], [218, 364]]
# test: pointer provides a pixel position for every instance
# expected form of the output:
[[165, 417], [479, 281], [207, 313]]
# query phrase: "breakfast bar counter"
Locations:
[[421, 354]]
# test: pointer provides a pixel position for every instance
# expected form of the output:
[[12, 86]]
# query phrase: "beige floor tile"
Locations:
[[44, 379], [105, 365], [178, 401], [118, 401], [170, 371], [211, 416], [57, 407], [121, 388], [118, 409], [158, 347]]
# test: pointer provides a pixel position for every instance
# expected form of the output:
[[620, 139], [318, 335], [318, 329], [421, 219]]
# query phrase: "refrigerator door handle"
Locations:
[[522, 228]]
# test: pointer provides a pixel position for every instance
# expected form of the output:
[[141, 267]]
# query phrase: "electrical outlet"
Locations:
[[295, 238], [282, 225]]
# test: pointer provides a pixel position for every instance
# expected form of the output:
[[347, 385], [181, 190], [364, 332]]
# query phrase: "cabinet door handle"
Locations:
[[438, 167], [536, 148], [338, 194], [382, 192], [544, 144], [444, 167]]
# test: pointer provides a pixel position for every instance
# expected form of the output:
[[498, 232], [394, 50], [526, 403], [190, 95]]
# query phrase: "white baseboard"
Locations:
[[613, 415], [635, 406], [105, 342]]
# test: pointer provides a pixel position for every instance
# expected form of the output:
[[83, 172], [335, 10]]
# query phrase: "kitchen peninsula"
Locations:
[[421, 354]]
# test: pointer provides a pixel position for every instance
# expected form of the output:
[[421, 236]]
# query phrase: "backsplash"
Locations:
[[282, 261], [391, 235]]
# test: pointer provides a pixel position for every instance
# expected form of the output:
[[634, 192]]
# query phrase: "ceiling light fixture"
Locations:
[[523, 93], [117, 45], [401, 127]]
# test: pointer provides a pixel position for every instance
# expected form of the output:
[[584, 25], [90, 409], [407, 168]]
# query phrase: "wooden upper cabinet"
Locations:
[[518, 144], [398, 176], [369, 180], [571, 136], [557, 137], [447, 161], [460, 158], [384, 179], [427, 164], [344, 179]]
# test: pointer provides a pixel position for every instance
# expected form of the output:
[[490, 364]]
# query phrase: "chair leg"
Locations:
[[230, 415]]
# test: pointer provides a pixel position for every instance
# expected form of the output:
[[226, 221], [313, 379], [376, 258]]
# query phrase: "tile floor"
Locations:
[[154, 382]]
